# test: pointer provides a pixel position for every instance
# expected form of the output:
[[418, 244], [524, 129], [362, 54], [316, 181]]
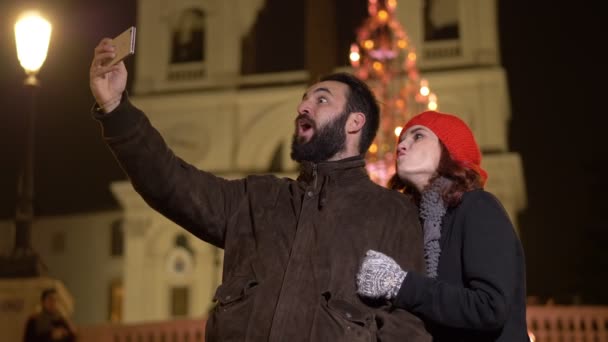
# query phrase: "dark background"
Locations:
[[549, 50]]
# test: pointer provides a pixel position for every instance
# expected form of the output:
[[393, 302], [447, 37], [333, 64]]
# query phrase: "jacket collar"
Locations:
[[354, 166], [317, 177]]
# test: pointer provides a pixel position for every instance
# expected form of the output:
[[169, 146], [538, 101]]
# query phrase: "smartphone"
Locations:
[[124, 44]]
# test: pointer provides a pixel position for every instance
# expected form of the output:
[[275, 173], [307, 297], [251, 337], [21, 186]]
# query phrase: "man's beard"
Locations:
[[325, 143]]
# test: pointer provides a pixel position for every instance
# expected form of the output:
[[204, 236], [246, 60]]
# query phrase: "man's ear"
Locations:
[[355, 122]]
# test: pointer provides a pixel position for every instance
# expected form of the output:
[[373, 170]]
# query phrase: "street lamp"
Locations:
[[32, 36]]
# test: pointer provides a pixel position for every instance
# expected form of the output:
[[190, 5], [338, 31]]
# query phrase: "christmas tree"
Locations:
[[384, 57]]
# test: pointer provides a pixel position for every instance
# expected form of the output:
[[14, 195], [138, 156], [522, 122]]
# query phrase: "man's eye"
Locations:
[[322, 100], [418, 136]]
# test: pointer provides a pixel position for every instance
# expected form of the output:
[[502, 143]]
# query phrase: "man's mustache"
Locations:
[[304, 119]]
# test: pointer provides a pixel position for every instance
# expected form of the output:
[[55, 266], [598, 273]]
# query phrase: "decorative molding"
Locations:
[[266, 121], [506, 181], [466, 37], [480, 97], [179, 265], [210, 59]]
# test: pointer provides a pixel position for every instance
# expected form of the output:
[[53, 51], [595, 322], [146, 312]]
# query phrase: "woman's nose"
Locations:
[[402, 145]]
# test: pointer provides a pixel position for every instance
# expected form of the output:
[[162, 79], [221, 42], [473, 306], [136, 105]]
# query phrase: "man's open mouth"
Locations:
[[305, 126]]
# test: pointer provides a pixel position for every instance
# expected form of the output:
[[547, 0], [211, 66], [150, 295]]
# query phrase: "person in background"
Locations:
[[49, 325], [474, 285]]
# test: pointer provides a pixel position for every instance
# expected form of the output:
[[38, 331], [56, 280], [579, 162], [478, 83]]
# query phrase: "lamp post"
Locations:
[[32, 36]]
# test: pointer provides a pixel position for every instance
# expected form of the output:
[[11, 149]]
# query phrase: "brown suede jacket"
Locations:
[[292, 248]]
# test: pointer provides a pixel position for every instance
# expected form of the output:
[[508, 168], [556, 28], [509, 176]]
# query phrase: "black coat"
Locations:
[[41, 326], [480, 290]]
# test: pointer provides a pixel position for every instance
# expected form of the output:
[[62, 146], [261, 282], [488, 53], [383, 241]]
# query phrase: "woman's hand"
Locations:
[[379, 276]]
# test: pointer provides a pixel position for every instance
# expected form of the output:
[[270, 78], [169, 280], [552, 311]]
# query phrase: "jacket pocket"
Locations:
[[229, 319], [339, 320]]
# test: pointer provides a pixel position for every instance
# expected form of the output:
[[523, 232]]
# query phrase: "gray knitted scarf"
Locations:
[[432, 209]]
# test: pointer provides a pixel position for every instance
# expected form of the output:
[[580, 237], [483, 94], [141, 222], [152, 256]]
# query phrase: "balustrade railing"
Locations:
[[551, 323]]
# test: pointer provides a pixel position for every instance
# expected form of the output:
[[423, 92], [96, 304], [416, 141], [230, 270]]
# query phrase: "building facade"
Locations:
[[204, 78]]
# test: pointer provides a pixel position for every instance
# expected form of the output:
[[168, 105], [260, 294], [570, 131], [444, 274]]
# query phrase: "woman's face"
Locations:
[[418, 155]]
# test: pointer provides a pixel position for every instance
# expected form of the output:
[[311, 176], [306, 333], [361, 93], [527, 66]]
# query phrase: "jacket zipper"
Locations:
[[314, 176]]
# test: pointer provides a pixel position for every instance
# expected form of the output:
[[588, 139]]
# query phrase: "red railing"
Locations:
[[554, 323], [186, 330]]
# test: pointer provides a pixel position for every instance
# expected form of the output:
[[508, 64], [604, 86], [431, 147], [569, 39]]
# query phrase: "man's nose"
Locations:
[[304, 108]]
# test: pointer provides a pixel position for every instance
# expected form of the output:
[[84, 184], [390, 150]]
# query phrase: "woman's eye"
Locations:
[[418, 136]]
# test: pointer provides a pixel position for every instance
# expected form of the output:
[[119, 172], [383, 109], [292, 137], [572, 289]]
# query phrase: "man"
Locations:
[[49, 325], [291, 247]]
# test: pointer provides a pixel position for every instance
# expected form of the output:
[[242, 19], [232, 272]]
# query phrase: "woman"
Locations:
[[474, 286]]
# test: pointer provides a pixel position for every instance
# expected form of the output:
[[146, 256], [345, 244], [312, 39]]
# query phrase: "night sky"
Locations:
[[550, 52]]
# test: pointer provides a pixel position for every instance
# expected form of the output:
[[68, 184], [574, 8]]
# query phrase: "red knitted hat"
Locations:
[[455, 135]]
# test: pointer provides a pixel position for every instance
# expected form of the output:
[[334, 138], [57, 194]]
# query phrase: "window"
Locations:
[[58, 242], [117, 238], [441, 20], [116, 299], [267, 49], [179, 301], [188, 37]]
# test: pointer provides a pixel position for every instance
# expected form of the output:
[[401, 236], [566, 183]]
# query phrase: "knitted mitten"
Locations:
[[380, 276]]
